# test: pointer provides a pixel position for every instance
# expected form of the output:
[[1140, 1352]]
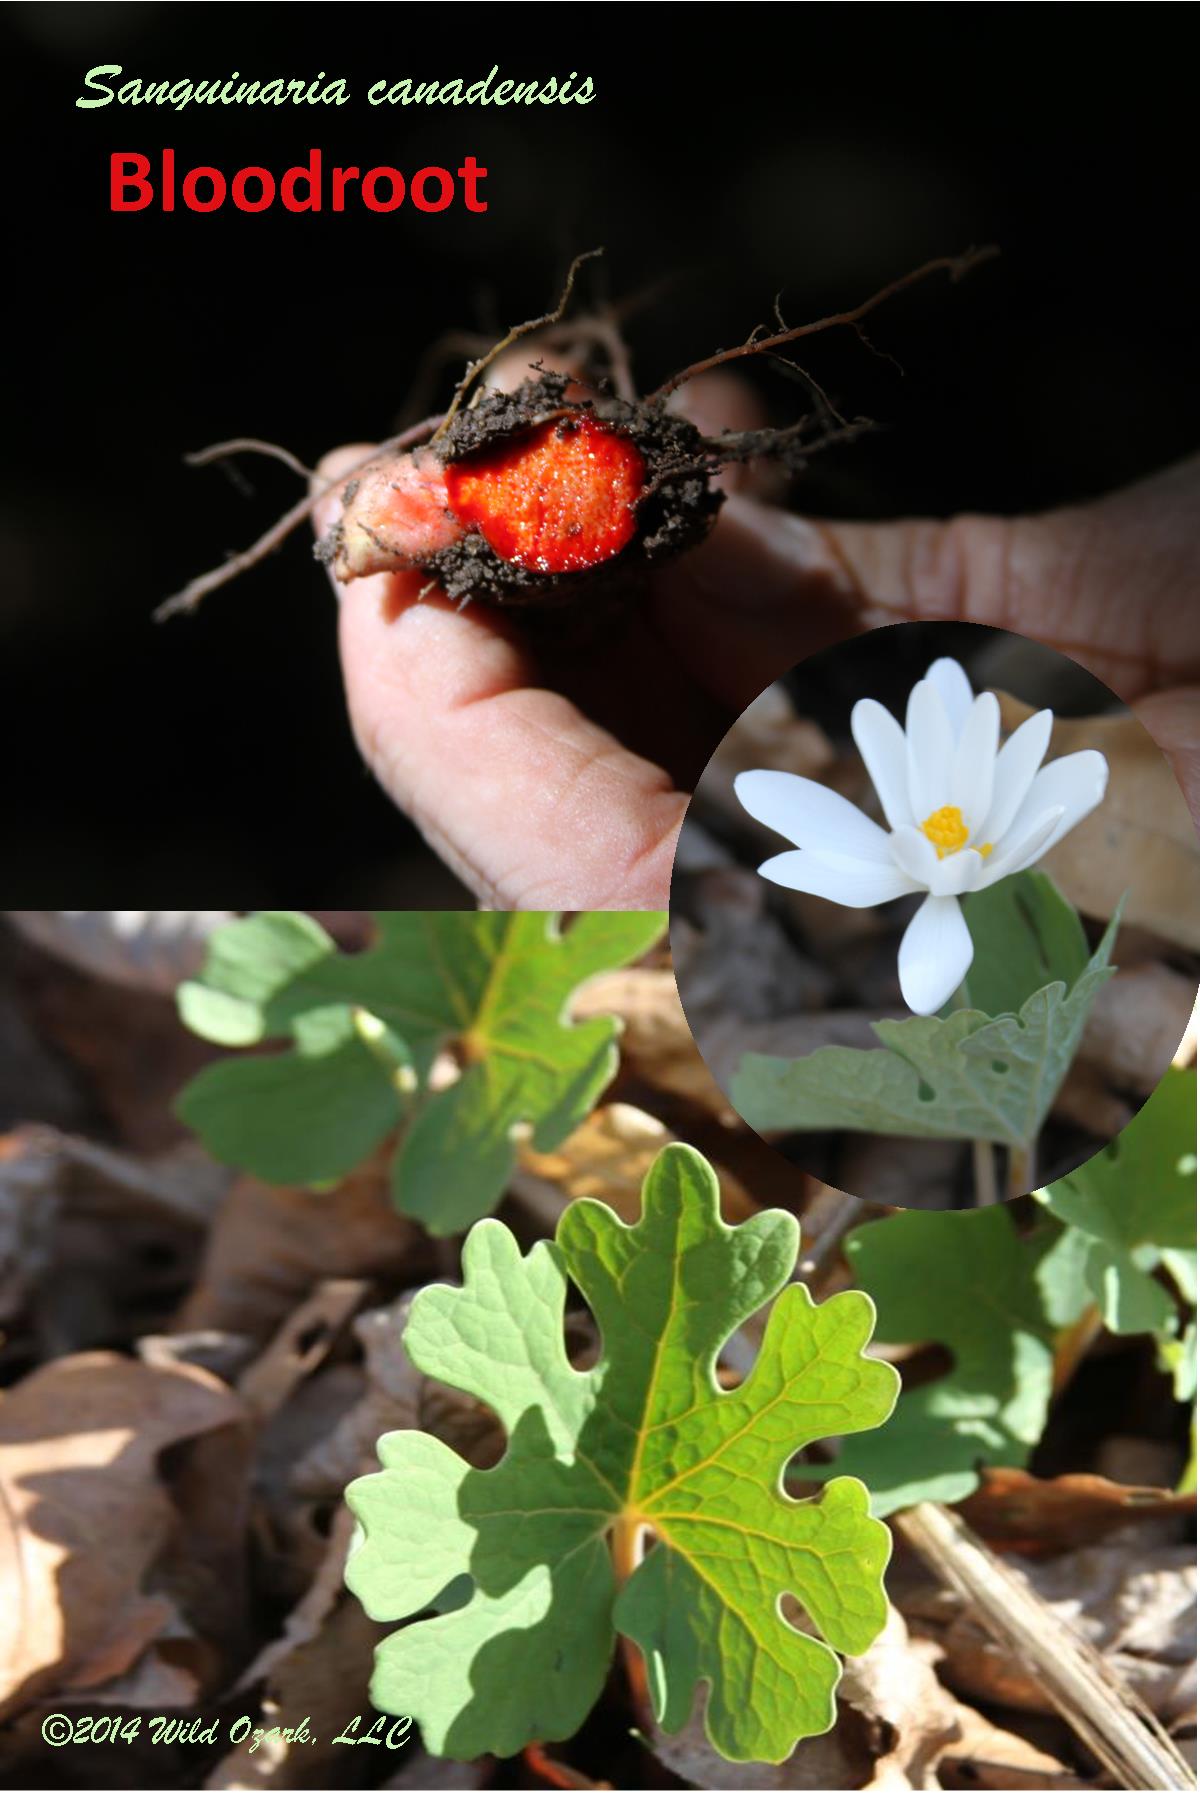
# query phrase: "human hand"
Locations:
[[551, 767]]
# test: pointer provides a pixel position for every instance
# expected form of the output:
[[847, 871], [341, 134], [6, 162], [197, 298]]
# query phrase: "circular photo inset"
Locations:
[[935, 915]]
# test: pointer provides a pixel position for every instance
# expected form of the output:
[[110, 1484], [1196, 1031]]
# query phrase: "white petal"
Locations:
[[880, 740], [975, 762], [1076, 783], [1021, 849], [814, 817], [848, 882], [935, 954], [952, 683], [913, 852], [930, 751], [958, 874], [1016, 766]]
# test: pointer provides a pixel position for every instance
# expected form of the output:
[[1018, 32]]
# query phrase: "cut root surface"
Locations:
[[559, 499], [509, 495]]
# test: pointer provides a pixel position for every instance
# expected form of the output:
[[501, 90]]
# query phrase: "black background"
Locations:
[[741, 150]]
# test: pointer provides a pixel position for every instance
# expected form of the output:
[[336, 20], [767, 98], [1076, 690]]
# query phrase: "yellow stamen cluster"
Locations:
[[946, 830]]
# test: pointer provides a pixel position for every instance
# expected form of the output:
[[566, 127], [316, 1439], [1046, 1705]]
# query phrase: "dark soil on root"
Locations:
[[675, 511]]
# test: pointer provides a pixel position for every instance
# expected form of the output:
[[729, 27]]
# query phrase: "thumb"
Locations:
[[531, 803]]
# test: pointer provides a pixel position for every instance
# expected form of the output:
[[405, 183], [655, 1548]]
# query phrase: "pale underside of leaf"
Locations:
[[966, 1076]]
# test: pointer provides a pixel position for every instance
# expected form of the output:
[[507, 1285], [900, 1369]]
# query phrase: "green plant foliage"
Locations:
[[1025, 936], [646, 1439], [967, 1076], [1132, 1208], [968, 1282], [493, 988], [995, 1301]]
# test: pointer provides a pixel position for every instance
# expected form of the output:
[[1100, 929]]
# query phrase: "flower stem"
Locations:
[[983, 1154], [1021, 1169]]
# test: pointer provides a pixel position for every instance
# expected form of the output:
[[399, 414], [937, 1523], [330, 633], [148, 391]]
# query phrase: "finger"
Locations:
[[527, 800], [765, 590], [1111, 584]]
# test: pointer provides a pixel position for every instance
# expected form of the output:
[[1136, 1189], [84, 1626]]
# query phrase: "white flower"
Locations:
[[963, 814]]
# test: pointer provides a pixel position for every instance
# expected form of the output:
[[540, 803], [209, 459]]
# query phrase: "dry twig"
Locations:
[[1106, 1714], [300, 1345]]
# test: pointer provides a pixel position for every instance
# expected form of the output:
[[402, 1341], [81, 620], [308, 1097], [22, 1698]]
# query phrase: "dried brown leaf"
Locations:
[[136, 947], [656, 1044], [988, 1757], [300, 1345], [607, 1158], [270, 1245], [398, 1397], [126, 1046], [1014, 1510], [736, 960], [1141, 838], [768, 735], [29, 1202], [1136, 1608], [85, 1513], [1135, 1025]]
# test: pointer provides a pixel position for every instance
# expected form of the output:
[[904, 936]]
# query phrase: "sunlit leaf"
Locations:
[[646, 1440]]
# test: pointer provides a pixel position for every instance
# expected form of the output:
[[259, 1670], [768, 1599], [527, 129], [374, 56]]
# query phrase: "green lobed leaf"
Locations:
[[492, 987], [1141, 1188], [1062, 1277], [644, 1440], [996, 1301], [304, 1116], [968, 1282], [1132, 1207], [250, 964], [1129, 1298], [967, 1076], [1025, 935]]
